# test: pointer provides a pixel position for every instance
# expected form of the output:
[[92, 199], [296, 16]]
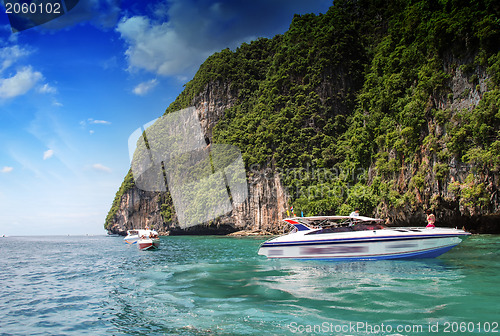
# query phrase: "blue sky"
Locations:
[[74, 89]]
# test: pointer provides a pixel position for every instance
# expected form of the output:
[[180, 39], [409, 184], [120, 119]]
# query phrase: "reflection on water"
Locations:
[[220, 286]]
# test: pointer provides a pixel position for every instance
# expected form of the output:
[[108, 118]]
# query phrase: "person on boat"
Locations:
[[355, 213], [431, 219]]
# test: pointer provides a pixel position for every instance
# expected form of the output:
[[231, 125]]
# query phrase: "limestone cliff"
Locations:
[[262, 211], [268, 198], [392, 107], [438, 179]]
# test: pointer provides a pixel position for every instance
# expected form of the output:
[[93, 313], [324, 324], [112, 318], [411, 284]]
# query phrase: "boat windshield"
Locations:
[[365, 226]]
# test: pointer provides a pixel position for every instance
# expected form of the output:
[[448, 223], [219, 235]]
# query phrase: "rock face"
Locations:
[[441, 192], [263, 209], [138, 209]]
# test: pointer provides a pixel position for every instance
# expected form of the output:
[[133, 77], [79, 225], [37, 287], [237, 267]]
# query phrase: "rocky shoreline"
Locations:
[[477, 225]]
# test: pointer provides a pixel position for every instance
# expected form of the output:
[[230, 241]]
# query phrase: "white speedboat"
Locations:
[[358, 238], [151, 243], [145, 239]]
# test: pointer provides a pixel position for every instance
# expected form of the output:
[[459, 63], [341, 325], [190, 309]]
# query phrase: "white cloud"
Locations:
[[101, 168], [186, 32], [157, 47], [48, 154], [11, 54], [103, 122], [91, 121], [15, 79], [6, 169], [20, 83], [144, 87], [46, 88]]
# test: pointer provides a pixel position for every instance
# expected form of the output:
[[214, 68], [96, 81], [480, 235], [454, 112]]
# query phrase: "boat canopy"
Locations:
[[330, 218], [305, 223], [140, 232]]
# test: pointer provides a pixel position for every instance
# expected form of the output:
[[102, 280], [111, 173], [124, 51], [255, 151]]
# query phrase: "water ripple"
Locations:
[[219, 286]]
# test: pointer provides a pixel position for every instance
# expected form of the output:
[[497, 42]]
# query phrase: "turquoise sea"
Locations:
[[220, 286]]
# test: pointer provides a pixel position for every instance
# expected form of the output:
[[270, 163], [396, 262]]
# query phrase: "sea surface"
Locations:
[[220, 286]]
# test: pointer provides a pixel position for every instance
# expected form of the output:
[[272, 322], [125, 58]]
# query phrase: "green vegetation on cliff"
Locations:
[[360, 106]]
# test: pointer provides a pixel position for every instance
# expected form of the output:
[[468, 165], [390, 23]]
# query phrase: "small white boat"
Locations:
[[145, 239], [358, 238]]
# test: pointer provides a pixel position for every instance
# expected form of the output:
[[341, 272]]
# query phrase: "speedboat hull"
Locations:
[[382, 247], [369, 244], [148, 244]]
